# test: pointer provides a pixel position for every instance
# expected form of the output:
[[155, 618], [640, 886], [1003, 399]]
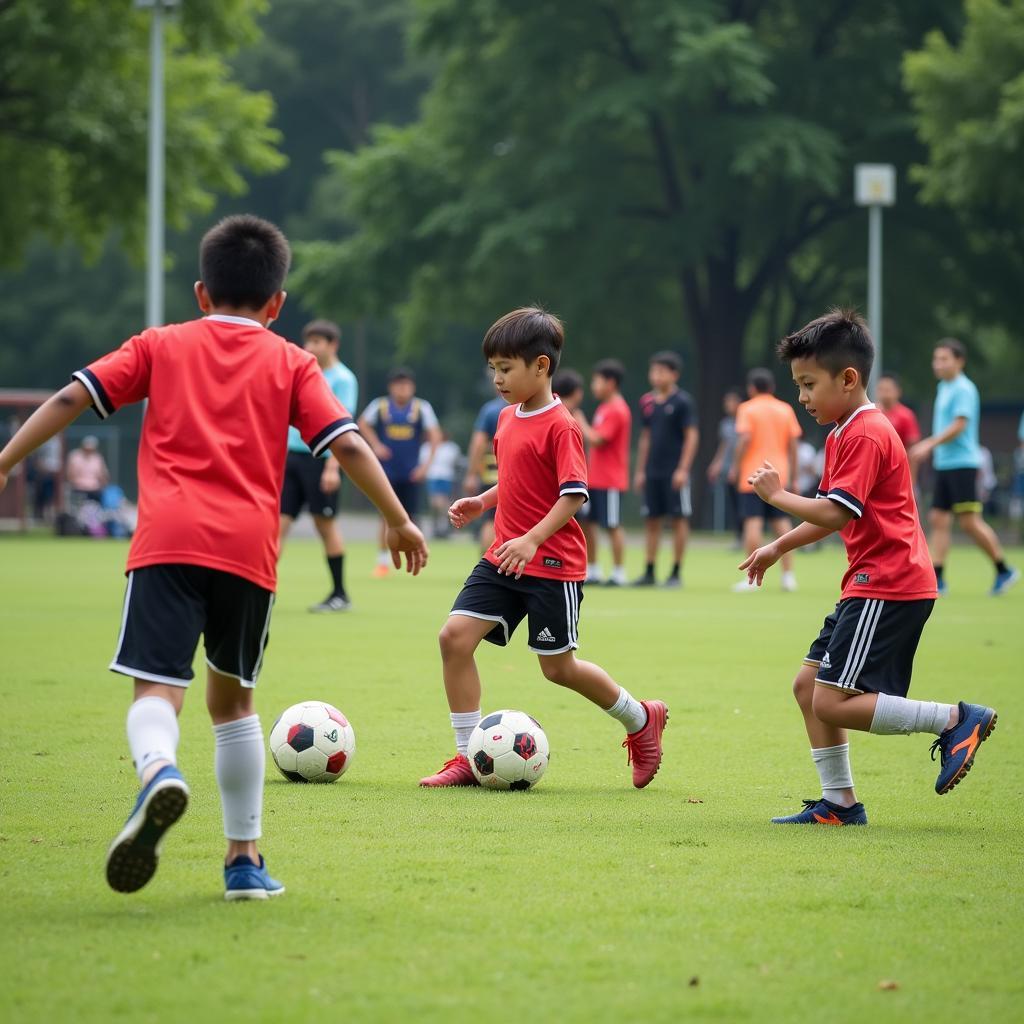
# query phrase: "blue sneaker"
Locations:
[[243, 880], [824, 812], [1004, 580], [957, 746], [133, 855], [940, 586]]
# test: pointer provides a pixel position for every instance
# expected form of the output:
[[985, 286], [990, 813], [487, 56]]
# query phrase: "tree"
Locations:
[[73, 117], [656, 172]]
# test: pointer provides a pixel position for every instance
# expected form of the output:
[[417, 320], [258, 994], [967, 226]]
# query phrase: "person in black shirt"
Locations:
[[668, 444]]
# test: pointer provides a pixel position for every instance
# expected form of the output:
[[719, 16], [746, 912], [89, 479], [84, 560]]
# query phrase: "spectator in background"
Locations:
[[888, 395], [47, 471], [87, 472], [722, 461], [395, 425], [956, 456], [481, 465], [766, 431], [440, 481], [1017, 491]]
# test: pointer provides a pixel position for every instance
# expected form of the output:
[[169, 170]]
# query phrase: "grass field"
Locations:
[[582, 900]]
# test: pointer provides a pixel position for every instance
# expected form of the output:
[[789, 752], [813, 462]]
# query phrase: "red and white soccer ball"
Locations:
[[312, 742], [508, 750]]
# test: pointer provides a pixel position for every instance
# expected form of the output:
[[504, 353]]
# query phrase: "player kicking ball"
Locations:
[[538, 561], [857, 673]]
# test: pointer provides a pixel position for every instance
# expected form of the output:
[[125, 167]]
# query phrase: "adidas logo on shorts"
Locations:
[[545, 636], [825, 662]]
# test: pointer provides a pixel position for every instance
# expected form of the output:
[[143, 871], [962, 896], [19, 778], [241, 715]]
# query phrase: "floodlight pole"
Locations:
[[155, 186]]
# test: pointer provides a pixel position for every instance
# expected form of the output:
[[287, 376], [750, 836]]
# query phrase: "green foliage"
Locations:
[[73, 117]]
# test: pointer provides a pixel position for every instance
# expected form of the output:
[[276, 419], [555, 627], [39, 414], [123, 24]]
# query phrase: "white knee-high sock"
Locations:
[[152, 728], [833, 764], [464, 722], [900, 716], [239, 760], [629, 711]]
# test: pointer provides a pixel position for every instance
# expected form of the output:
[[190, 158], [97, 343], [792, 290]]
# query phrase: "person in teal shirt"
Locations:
[[956, 456], [315, 483]]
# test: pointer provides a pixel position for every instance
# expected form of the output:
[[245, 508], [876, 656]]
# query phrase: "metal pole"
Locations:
[[875, 289], [155, 173]]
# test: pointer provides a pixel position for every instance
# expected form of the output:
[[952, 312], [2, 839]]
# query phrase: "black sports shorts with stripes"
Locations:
[[551, 607], [867, 645], [167, 607]]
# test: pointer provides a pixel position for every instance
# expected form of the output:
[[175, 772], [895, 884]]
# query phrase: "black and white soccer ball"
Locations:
[[508, 750], [312, 742]]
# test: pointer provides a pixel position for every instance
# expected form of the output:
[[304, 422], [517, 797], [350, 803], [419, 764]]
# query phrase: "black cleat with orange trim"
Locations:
[[957, 746], [824, 812]]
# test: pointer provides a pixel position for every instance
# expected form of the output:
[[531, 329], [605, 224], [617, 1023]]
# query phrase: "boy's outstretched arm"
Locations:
[[365, 471], [57, 412], [517, 553]]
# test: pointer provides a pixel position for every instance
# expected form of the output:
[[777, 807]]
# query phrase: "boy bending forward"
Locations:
[[536, 565], [857, 673]]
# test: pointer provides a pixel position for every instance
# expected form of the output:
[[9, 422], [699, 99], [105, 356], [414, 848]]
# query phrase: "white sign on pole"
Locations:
[[874, 185]]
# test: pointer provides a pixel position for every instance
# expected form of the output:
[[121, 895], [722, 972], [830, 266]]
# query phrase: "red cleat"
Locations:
[[644, 746], [455, 772]]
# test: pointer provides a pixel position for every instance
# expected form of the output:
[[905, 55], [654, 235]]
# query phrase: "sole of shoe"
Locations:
[[967, 765], [657, 767], [234, 895], [133, 856]]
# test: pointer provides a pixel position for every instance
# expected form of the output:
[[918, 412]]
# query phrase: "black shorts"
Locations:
[[867, 645], [604, 508], [753, 506], [167, 607], [662, 499], [408, 492], [956, 490], [553, 607], [301, 488]]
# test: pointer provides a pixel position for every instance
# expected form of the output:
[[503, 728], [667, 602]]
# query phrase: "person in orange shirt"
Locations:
[[766, 429]]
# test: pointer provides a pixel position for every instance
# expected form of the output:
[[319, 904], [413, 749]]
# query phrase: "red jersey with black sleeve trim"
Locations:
[[867, 472], [540, 458], [608, 462], [222, 392]]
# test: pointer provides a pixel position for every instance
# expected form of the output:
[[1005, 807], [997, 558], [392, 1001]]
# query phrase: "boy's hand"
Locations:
[[464, 511], [766, 481], [758, 563], [680, 478], [408, 539], [330, 478], [515, 555], [382, 451]]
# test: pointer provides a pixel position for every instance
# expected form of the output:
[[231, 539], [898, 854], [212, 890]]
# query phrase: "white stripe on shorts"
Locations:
[[861, 646]]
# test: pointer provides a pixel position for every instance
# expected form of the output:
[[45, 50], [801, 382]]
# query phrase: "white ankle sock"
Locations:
[[464, 722], [629, 711], [239, 760], [901, 716], [833, 764], [152, 728], [594, 574], [619, 574]]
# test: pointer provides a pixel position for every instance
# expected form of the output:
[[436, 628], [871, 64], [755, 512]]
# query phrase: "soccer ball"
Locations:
[[312, 742], [508, 750]]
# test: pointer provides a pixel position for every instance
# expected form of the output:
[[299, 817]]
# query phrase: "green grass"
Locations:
[[581, 900]]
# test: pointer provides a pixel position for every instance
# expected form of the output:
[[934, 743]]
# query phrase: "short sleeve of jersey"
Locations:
[[429, 417], [346, 390], [119, 378], [646, 410], [743, 419], [372, 413], [613, 421], [571, 462], [316, 413], [853, 473], [686, 412], [963, 402]]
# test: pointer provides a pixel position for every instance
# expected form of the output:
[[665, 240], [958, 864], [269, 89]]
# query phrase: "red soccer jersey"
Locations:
[[867, 472], [905, 423], [540, 458], [608, 463], [222, 392]]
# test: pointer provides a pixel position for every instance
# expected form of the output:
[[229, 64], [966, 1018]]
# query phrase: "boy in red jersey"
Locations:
[[222, 392], [857, 673], [608, 436], [538, 560]]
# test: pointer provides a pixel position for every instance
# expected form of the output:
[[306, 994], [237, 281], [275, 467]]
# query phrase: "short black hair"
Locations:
[[836, 340], [673, 360], [611, 369], [526, 333], [322, 329], [401, 373], [957, 347], [566, 382], [243, 261], [761, 380]]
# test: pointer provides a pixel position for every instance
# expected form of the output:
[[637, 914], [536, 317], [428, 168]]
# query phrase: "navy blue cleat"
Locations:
[[1004, 580], [133, 855], [824, 812], [957, 746], [244, 880]]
